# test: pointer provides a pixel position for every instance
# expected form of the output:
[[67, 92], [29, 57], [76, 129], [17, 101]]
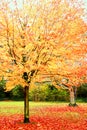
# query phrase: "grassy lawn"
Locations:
[[15, 107]]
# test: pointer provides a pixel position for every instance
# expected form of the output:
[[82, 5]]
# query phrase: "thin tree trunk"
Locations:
[[26, 104], [73, 97]]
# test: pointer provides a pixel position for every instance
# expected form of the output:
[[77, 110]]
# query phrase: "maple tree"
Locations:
[[40, 37], [70, 57], [71, 54]]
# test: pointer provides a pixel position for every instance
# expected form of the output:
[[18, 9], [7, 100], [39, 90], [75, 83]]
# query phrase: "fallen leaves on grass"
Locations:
[[48, 118]]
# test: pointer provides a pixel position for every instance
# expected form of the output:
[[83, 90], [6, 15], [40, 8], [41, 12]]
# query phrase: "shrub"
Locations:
[[2, 88], [54, 94], [82, 93], [37, 94], [17, 93], [48, 93]]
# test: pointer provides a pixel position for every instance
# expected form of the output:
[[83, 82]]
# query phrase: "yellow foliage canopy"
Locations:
[[45, 37]]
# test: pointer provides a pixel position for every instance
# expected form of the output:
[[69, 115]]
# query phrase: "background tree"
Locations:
[[82, 92], [44, 92], [17, 93], [2, 88]]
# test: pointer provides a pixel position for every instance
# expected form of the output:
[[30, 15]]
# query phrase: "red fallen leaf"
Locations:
[[48, 118]]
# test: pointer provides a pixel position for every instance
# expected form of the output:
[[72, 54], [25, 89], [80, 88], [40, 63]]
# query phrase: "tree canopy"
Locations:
[[42, 37]]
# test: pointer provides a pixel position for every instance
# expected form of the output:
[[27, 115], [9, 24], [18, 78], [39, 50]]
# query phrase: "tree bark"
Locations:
[[26, 104], [73, 97]]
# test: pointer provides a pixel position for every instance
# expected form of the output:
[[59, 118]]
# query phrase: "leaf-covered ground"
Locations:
[[44, 117]]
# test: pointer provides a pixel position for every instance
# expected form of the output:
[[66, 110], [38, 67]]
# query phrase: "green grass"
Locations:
[[13, 107], [32, 104]]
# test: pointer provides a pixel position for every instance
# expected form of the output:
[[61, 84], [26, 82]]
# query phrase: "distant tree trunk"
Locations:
[[26, 104], [73, 96]]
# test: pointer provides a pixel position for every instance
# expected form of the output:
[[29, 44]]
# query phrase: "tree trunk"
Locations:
[[73, 97], [26, 104]]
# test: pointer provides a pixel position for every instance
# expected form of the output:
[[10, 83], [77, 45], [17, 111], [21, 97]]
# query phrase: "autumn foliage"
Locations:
[[42, 37]]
